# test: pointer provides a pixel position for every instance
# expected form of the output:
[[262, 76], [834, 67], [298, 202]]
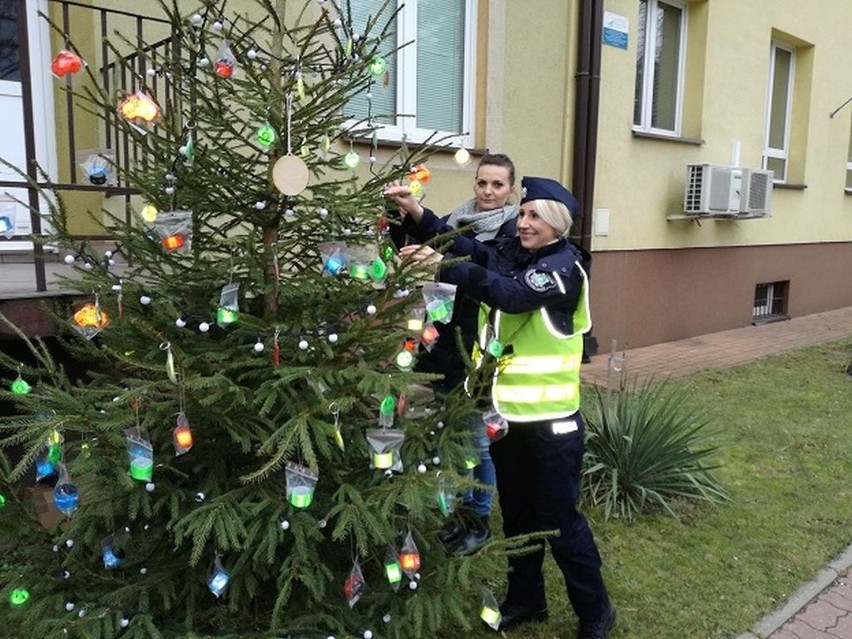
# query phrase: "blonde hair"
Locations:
[[555, 214]]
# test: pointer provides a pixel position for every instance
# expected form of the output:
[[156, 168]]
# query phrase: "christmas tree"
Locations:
[[247, 456]]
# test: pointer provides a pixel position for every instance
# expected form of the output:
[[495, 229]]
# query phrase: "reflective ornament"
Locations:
[[378, 66], [149, 213], [20, 386], [66, 62], [91, 316], [266, 135], [174, 242], [139, 107], [18, 597], [352, 160], [7, 227], [462, 156]]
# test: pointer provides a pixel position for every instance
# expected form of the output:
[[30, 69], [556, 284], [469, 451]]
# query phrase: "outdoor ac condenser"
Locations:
[[712, 189], [756, 196]]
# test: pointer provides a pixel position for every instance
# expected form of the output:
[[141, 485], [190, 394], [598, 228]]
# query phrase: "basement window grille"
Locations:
[[770, 302]]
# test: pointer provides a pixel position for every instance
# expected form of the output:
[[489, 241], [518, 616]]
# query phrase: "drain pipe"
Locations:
[[586, 114], [587, 100]]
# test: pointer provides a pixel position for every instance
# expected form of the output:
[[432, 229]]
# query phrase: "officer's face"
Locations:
[[534, 231], [491, 188]]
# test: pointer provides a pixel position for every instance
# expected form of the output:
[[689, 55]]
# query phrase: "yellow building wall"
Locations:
[[524, 100], [641, 181]]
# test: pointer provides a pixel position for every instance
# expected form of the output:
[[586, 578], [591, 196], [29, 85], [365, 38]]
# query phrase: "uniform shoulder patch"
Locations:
[[539, 281]]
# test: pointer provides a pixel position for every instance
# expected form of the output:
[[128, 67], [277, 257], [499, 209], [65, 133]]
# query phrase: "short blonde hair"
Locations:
[[555, 214]]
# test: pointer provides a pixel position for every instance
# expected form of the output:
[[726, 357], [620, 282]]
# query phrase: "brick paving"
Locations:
[[822, 607]]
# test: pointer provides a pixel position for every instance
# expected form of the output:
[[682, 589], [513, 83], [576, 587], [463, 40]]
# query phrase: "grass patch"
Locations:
[[784, 445]]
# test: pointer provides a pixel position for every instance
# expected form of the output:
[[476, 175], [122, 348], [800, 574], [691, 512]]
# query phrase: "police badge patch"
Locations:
[[538, 281]]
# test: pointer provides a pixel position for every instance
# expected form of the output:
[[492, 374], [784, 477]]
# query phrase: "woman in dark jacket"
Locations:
[[487, 217]]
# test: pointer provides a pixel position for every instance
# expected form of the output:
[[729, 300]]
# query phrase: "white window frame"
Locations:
[[648, 69], [772, 152], [406, 95]]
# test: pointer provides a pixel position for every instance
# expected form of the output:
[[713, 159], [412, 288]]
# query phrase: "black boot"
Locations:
[[478, 532], [452, 531]]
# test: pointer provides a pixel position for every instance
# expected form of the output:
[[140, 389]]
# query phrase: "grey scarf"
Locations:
[[485, 223]]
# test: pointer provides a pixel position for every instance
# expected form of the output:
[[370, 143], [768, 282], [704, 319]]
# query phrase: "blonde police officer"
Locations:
[[534, 296]]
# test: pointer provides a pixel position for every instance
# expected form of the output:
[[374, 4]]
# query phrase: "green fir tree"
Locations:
[[256, 302]]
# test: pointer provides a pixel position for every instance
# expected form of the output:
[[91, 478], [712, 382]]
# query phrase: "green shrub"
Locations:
[[646, 447]]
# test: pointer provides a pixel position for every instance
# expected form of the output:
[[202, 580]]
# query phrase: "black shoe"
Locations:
[[476, 536], [452, 531], [598, 629], [511, 616]]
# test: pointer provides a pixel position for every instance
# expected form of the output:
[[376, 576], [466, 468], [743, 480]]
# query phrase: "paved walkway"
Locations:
[[822, 608]]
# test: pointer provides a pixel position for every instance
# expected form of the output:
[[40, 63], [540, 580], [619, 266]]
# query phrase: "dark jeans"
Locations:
[[538, 483]]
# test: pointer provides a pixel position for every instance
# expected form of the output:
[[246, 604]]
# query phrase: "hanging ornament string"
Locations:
[[170, 362], [334, 409], [276, 349], [288, 106], [290, 173]]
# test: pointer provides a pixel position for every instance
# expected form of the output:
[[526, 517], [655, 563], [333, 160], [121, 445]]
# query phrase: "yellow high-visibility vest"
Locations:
[[539, 379]]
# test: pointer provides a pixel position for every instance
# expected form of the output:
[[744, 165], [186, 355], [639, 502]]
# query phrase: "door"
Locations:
[[12, 141]]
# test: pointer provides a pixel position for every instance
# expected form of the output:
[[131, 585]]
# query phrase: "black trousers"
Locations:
[[538, 482]]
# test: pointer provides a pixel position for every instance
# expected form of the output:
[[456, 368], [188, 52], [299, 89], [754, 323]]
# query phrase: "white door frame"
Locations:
[[41, 80]]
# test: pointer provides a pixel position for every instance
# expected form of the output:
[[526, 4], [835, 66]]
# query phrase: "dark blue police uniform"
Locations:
[[538, 463]]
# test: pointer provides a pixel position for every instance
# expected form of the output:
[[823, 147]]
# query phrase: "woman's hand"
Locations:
[[420, 254], [404, 199]]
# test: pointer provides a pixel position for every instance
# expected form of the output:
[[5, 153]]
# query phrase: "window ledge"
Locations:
[[769, 319], [395, 144], [667, 138], [789, 186]]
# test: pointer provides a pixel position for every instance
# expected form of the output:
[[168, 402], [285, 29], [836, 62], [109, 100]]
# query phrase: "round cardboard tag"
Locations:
[[290, 174]]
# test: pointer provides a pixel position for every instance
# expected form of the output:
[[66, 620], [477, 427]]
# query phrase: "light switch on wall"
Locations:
[[602, 222]]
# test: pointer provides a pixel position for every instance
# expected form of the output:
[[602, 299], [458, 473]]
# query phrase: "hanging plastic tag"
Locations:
[[490, 612], [301, 483], [89, 320], [354, 586], [175, 230], [218, 580], [446, 498], [141, 454], [229, 308], [113, 550], [386, 411], [182, 435], [393, 570], [496, 426], [409, 556], [385, 444], [97, 167], [333, 256], [225, 63], [440, 301], [66, 497]]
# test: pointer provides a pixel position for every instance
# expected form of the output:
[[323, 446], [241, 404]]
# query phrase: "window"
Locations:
[[849, 166], [430, 80], [777, 147], [770, 302], [660, 47]]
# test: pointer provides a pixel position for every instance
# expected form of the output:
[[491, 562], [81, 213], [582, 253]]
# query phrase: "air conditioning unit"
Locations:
[[756, 193], [712, 189]]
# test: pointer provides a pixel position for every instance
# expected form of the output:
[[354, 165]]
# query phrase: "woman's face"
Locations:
[[491, 188], [534, 231]]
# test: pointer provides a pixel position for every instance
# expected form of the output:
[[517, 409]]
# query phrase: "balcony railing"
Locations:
[[121, 46]]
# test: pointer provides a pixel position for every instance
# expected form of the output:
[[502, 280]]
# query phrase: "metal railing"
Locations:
[[118, 72]]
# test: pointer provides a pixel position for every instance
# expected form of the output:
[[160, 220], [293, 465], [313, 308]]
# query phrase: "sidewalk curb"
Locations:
[[771, 622]]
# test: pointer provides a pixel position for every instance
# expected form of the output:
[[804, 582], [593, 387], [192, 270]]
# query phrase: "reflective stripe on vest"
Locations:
[[539, 378]]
